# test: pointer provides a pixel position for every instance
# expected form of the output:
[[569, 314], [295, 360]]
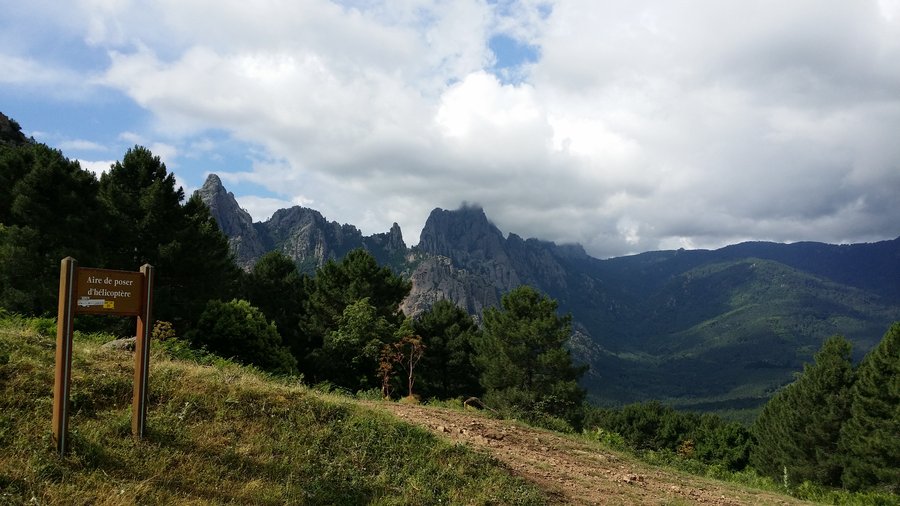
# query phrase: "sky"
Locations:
[[626, 126]]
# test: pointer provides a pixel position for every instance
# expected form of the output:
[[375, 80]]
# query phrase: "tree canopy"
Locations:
[[448, 367], [798, 430], [526, 366], [339, 285], [277, 288], [50, 211], [870, 440], [238, 330]]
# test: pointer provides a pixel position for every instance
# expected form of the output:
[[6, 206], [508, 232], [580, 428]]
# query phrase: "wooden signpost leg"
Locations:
[[142, 356], [63, 376]]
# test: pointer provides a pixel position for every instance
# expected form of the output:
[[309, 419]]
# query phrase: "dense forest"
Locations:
[[835, 425]]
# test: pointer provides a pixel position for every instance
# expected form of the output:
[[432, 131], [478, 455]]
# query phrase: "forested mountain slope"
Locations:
[[708, 329]]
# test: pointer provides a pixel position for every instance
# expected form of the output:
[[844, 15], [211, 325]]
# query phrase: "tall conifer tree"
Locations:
[[277, 288], [870, 440], [798, 430], [149, 225], [526, 365], [50, 211], [448, 368], [339, 286]]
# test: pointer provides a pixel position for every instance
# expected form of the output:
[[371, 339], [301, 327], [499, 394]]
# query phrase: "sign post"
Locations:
[[142, 356], [63, 377], [101, 291]]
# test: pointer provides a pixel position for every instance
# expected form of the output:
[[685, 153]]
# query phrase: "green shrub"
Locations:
[[239, 330], [550, 422], [651, 426], [609, 438]]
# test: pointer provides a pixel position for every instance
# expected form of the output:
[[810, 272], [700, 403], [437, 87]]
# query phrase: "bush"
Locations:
[[239, 330], [609, 438], [653, 427]]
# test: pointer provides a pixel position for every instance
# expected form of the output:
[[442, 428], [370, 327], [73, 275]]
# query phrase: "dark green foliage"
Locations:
[[526, 366], [239, 330], [653, 426], [447, 370], [144, 206], [350, 353], [719, 442], [644, 426], [338, 285], [15, 163], [148, 224], [277, 288], [133, 216], [18, 270], [195, 266], [11, 132], [799, 428], [48, 210], [870, 440], [356, 276]]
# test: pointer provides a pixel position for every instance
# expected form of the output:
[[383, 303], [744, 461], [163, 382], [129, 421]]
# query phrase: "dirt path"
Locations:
[[574, 472]]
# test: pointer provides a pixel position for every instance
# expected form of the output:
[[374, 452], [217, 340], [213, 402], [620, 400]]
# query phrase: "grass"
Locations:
[[223, 433], [217, 433]]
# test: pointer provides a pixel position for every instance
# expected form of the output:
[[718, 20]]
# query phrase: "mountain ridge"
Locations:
[[687, 326]]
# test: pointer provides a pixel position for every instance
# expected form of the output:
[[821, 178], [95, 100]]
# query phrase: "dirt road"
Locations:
[[575, 472]]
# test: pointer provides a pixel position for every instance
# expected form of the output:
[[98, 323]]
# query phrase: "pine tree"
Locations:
[[447, 369], [870, 440], [277, 288], [148, 224], [798, 430], [51, 212], [196, 265], [336, 286], [526, 365], [144, 207]]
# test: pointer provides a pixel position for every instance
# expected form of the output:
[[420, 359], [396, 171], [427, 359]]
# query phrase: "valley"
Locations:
[[713, 330]]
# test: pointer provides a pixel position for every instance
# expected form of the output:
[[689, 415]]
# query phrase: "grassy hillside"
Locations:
[[217, 433]]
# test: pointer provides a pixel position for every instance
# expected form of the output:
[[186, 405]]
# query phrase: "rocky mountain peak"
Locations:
[[395, 238], [223, 206], [235, 222], [463, 233]]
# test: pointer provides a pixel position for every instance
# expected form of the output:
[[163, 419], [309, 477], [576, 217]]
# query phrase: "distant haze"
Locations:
[[622, 125]]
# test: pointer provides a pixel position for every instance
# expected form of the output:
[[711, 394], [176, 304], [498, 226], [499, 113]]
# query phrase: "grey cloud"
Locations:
[[642, 125]]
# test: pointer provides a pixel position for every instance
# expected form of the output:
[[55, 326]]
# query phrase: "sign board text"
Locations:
[[106, 291]]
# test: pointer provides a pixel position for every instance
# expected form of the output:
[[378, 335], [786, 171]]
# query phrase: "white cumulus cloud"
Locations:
[[638, 124]]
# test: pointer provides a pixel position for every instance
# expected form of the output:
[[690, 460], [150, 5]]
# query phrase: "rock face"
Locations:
[[300, 233], [676, 325], [235, 222], [466, 259]]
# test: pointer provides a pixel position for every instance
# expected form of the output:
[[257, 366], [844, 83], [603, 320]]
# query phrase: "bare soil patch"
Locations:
[[572, 471]]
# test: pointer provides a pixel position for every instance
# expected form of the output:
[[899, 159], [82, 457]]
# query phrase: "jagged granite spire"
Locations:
[[235, 222]]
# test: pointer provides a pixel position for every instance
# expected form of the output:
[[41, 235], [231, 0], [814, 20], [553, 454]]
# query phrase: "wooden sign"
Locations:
[[104, 291], [101, 291]]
